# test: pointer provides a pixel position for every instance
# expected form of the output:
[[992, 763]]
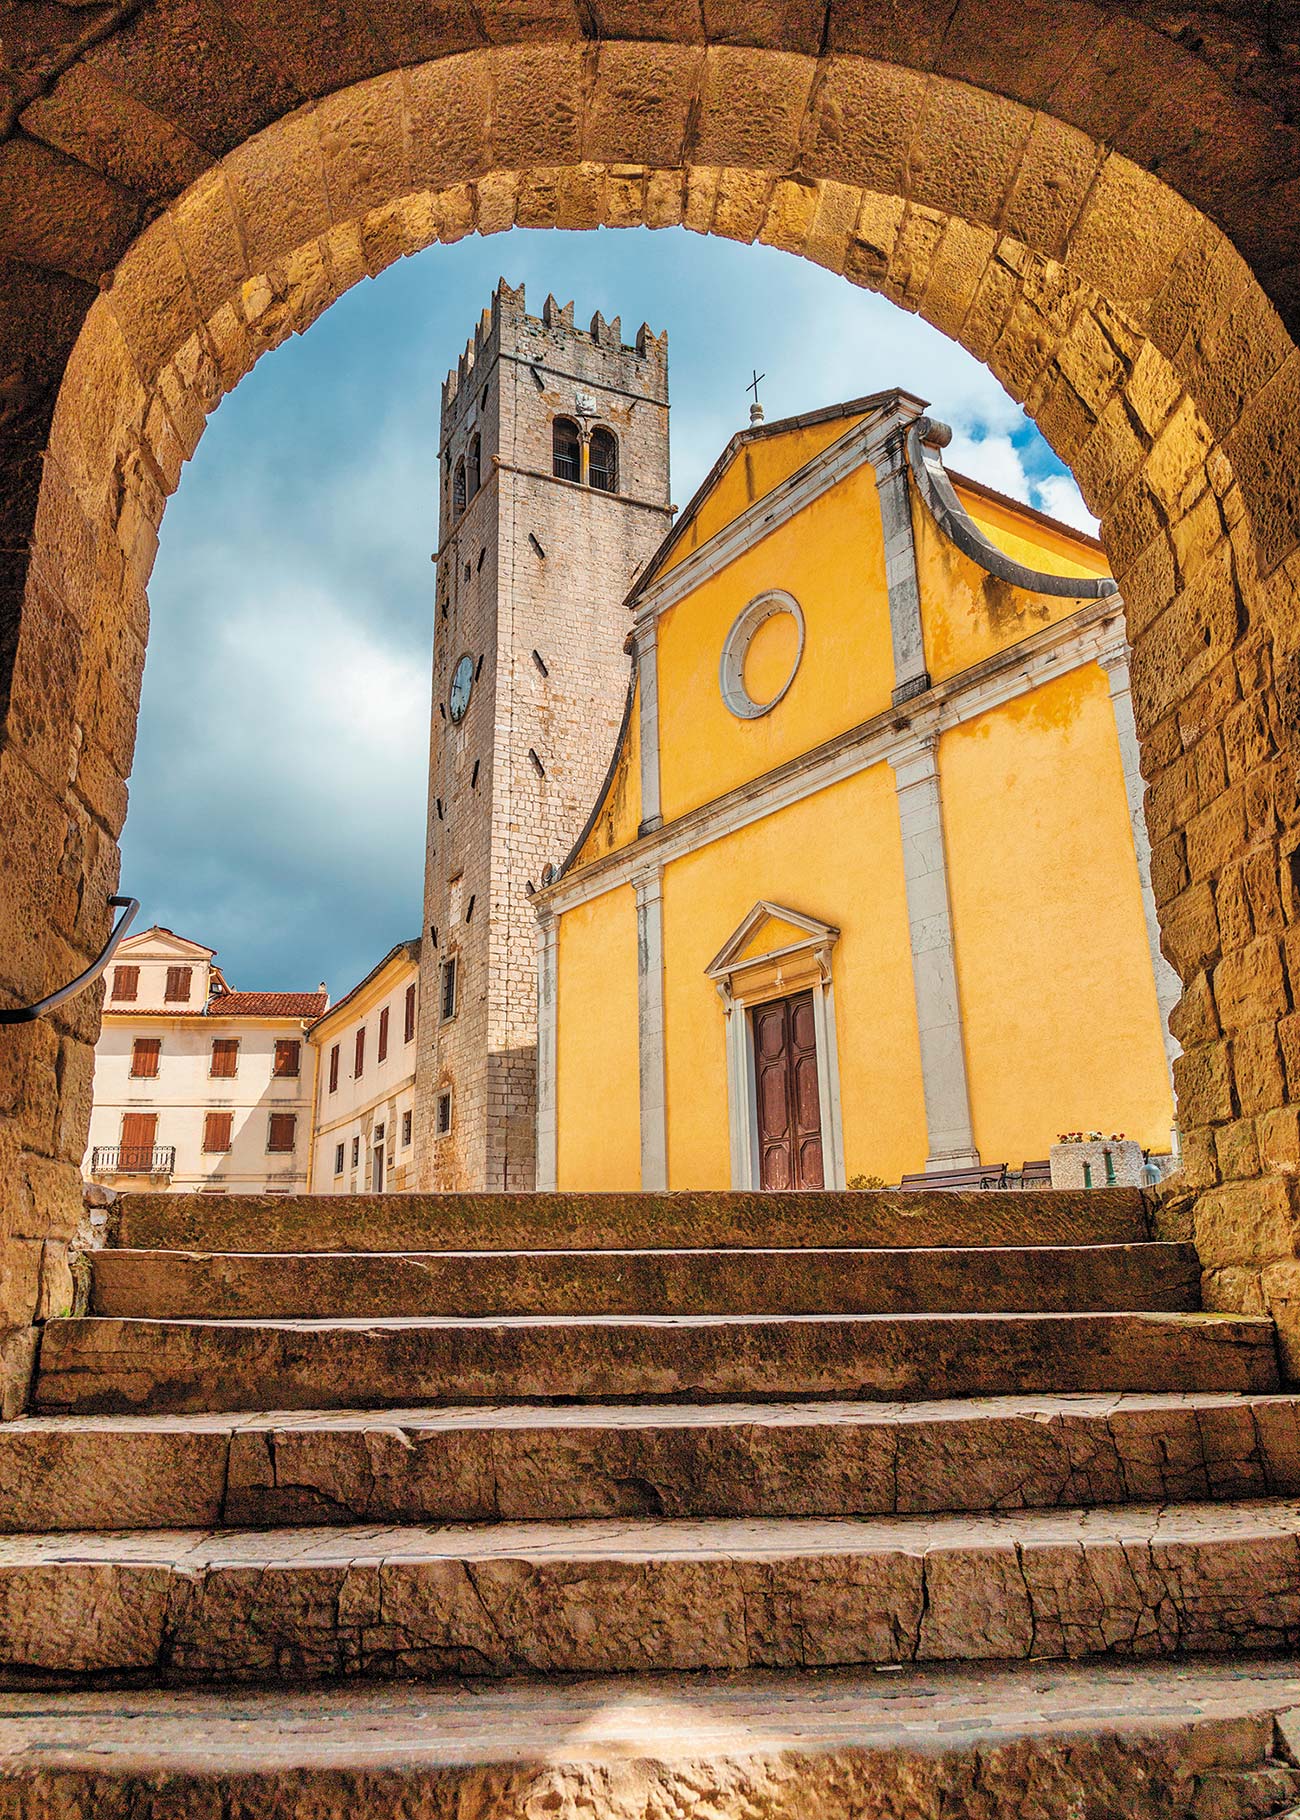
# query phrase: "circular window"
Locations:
[[462, 686], [761, 654]]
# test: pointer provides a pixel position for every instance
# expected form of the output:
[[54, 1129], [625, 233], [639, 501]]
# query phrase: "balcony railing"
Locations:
[[132, 1159]]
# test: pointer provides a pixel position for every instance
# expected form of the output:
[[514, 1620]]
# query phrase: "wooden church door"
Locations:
[[789, 1103]]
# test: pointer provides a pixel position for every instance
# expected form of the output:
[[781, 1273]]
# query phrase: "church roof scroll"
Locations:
[[925, 438]]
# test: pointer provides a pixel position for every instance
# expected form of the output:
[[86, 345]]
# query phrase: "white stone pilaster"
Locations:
[[650, 1028], [547, 1029], [910, 674], [645, 634], [1114, 661], [951, 1142]]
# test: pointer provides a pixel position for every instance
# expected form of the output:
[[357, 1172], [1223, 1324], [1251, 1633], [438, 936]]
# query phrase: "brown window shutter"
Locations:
[[408, 1024], [126, 984], [359, 1054], [334, 1069], [381, 1053], [218, 1128], [287, 1056], [225, 1057], [178, 985], [139, 1135], [281, 1131], [145, 1051]]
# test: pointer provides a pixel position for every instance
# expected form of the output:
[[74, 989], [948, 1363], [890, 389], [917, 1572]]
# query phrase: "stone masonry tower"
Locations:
[[554, 492]]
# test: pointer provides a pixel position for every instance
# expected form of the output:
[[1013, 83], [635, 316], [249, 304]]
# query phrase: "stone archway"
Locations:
[[1121, 317]]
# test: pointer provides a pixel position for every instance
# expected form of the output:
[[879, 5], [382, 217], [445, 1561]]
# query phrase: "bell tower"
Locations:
[[553, 461]]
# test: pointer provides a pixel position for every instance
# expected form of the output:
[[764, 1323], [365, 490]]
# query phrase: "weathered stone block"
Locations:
[[751, 108], [277, 185], [1238, 1151], [1130, 232], [362, 139], [536, 115], [1278, 1137], [153, 299], [861, 121], [1245, 1223], [1257, 1068], [1203, 1082], [448, 108], [966, 150], [1217, 834], [1249, 983], [1051, 181], [1281, 1291]]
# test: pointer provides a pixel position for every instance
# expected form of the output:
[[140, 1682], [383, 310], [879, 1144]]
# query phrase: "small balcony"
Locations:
[[133, 1159]]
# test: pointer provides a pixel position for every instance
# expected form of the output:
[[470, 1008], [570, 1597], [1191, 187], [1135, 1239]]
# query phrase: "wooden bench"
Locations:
[[1033, 1175], [983, 1175]]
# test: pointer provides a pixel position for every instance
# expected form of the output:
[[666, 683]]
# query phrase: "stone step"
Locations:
[[608, 1460], [1146, 1741], [108, 1365], [629, 1595], [171, 1285], [616, 1222]]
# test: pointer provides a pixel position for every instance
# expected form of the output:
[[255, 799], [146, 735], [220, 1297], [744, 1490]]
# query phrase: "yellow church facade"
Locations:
[[866, 891]]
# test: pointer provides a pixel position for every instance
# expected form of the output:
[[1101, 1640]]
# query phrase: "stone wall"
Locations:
[[1118, 306]]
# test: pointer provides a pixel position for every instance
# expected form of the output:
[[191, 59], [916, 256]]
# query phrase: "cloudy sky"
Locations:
[[277, 804]]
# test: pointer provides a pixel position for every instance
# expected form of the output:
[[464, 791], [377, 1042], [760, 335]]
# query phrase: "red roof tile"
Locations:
[[268, 1004]]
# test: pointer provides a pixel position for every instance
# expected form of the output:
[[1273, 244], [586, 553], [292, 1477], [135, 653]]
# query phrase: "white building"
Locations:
[[198, 1086], [365, 1046]]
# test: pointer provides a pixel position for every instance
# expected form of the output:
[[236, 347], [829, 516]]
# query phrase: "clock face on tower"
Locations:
[[462, 685]]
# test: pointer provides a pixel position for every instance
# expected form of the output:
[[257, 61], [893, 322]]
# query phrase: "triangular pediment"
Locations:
[[770, 930], [163, 944]]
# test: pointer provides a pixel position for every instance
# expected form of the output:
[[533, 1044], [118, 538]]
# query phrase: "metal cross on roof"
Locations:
[[754, 382]]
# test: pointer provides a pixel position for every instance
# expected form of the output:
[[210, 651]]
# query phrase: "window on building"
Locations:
[[338, 1159], [381, 1046], [282, 1131], [178, 985], [566, 450], [126, 984], [408, 1017], [356, 1151], [473, 467], [449, 988], [359, 1054], [225, 1057], [442, 1117], [145, 1051], [458, 489], [288, 1057], [334, 1068], [602, 470], [406, 1131], [218, 1128]]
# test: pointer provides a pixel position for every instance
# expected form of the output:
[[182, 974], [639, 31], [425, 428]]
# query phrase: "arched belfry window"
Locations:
[[603, 468], [566, 454], [473, 467], [458, 489]]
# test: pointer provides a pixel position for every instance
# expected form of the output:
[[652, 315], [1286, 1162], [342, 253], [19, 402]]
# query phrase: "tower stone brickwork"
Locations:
[[553, 459]]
